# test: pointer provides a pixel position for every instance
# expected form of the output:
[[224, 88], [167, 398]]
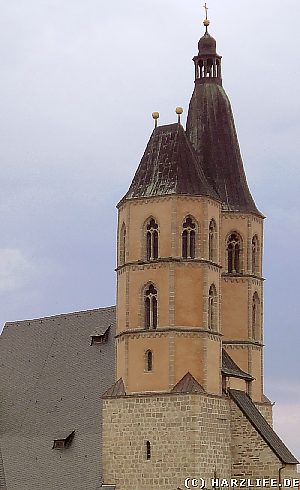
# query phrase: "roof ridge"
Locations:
[[60, 315]]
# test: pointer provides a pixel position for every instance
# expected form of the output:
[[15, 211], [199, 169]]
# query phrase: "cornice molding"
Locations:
[[168, 260], [164, 331]]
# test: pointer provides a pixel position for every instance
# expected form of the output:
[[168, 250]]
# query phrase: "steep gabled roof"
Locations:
[[188, 384], [169, 166], [230, 368], [51, 381], [254, 416], [117, 389]]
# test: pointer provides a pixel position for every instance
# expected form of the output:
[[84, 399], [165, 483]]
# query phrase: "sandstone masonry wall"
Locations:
[[189, 436]]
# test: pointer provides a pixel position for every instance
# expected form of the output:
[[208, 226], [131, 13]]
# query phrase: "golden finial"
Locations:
[[155, 116], [179, 111], [206, 21]]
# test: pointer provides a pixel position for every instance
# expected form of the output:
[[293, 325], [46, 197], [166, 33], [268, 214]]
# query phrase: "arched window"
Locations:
[[123, 244], [188, 238], [234, 253], [255, 316], [212, 241], [148, 450], [151, 307], [212, 308], [255, 255], [149, 361], [152, 239]]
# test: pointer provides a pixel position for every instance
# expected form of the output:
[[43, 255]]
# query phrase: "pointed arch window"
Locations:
[[212, 241], [152, 239], [212, 308], [255, 255], [149, 361], [234, 253], [123, 244], [151, 308], [189, 238], [255, 316]]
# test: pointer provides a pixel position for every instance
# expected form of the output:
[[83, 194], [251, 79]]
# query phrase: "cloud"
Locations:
[[15, 270]]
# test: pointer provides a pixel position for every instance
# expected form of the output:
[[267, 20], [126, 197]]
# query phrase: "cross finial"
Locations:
[[206, 21], [206, 10]]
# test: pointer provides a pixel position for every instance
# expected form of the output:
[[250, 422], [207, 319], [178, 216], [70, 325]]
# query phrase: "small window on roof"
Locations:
[[100, 337], [63, 443]]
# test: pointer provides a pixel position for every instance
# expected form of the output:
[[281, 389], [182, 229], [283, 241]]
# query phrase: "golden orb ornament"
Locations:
[[155, 115], [179, 110], [206, 22]]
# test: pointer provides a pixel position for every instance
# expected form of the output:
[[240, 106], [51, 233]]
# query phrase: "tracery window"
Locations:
[[151, 307], [188, 238], [212, 308], [123, 244], [255, 255], [149, 361], [255, 316], [234, 252], [212, 241], [152, 239]]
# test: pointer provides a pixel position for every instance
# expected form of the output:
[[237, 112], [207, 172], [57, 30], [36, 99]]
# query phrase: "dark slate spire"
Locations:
[[211, 129], [169, 166]]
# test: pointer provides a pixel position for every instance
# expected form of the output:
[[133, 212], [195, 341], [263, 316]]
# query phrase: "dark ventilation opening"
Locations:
[[149, 360], [148, 450]]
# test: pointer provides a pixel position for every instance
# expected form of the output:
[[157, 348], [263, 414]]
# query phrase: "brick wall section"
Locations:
[[189, 435], [251, 455]]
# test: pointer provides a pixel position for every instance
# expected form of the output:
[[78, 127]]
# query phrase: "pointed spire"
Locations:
[[211, 130]]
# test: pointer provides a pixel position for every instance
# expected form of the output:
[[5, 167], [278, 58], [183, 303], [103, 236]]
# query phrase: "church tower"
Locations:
[[189, 334], [211, 129]]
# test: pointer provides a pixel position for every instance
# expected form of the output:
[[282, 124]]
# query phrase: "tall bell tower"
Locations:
[[168, 303], [211, 130], [188, 399]]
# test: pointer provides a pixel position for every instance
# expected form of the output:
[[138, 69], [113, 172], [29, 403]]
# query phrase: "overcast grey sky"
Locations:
[[79, 81]]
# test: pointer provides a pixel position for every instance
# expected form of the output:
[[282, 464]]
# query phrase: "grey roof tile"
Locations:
[[51, 381]]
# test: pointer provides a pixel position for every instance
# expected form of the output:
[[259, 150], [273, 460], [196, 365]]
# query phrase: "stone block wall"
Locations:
[[251, 455], [189, 436]]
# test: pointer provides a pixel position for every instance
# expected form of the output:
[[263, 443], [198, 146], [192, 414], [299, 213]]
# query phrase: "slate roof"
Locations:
[[230, 368], [244, 402], [51, 382], [169, 166], [211, 129], [2, 474]]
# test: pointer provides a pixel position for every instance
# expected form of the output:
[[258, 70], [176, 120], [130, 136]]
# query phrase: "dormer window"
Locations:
[[100, 336], [64, 442]]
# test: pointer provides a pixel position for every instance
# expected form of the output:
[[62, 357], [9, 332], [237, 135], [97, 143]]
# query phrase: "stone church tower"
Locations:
[[188, 401]]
